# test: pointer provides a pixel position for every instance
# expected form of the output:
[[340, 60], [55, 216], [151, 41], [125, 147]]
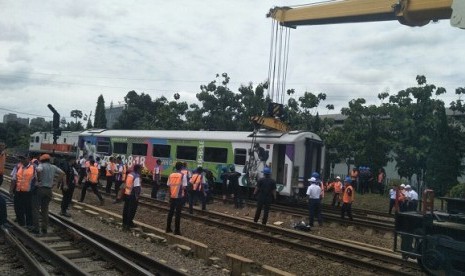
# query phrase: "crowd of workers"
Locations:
[[34, 177]]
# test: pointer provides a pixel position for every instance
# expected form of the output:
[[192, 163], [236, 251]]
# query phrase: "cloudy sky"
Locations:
[[66, 53]]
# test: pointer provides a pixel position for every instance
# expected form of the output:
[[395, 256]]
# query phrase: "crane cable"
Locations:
[[278, 62]]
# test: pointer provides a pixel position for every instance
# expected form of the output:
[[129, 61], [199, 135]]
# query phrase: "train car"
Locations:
[[435, 238], [292, 156], [42, 142]]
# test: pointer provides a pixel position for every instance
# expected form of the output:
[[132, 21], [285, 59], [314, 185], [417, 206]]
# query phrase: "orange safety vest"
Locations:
[[24, 177], [337, 187], [175, 183], [111, 168], [346, 198], [2, 162], [92, 175], [196, 181], [129, 184]]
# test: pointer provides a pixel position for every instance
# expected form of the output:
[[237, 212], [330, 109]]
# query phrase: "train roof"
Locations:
[[262, 135]]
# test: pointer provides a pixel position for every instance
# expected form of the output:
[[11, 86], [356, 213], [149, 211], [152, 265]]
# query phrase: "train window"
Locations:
[[121, 148], [103, 146], [218, 155], [37, 139], [139, 149], [64, 140], [240, 156], [186, 152], [161, 150]]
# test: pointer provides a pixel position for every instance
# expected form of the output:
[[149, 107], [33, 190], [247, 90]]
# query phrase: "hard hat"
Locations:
[[408, 187], [402, 185], [232, 168], [44, 157], [266, 170], [337, 177], [224, 169], [316, 175], [348, 179], [312, 180]]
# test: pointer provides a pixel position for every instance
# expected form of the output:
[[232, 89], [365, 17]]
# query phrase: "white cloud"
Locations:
[[67, 53]]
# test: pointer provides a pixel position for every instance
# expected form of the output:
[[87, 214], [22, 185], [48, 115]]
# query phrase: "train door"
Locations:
[[313, 154], [279, 165]]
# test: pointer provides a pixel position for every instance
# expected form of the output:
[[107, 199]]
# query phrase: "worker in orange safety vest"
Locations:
[[132, 191], [198, 189], [177, 183], [92, 182], [337, 196], [23, 181], [347, 198]]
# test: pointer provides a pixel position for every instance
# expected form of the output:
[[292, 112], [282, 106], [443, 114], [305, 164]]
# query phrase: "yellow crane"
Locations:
[[407, 12]]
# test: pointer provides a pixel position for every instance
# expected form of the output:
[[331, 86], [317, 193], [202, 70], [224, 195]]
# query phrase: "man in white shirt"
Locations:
[[314, 201], [412, 198]]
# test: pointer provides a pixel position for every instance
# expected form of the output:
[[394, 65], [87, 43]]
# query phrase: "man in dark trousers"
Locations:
[[68, 186], [266, 193], [177, 183]]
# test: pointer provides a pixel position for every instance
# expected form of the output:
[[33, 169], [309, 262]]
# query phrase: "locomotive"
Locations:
[[435, 238]]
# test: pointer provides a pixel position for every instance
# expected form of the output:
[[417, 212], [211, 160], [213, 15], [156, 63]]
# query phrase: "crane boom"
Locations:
[[407, 12]]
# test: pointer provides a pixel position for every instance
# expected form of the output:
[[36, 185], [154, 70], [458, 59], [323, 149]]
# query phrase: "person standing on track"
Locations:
[[92, 181], [156, 178], [314, 201], [347, 198], [132, 191], [265, 191], [120, 177], [234, 188], [197, 190], [110, 175], [82, 169], [46, 172], [177, 183], [23, 182], [68, 186], [337, 196]]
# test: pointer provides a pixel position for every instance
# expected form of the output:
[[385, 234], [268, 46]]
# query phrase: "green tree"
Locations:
[[100, 120], [219, 105], [76, 114], [415, 118]]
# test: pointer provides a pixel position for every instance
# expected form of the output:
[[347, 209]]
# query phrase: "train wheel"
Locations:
[[433, 260]]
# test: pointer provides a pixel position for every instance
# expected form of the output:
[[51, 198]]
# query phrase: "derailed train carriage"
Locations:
[[292, 156], [435, 238]]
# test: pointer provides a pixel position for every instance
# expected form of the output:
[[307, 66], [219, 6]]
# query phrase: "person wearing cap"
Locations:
[[46, 172], [337, 196], [412, 203], [197, 191], [23, 182], [265, 191], [314, 201], [347, 198]]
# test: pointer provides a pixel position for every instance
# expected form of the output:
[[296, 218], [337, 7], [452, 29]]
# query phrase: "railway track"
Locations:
[[374, 260], [70, 249]]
